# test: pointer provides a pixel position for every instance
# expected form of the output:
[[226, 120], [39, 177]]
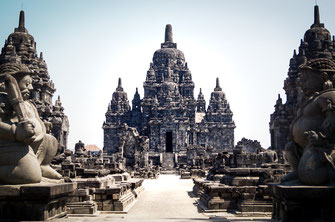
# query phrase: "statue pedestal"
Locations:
[[303, 203], [38, 202]]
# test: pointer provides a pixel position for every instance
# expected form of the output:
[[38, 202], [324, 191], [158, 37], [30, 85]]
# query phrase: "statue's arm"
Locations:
[[7, 131], [327, 105]]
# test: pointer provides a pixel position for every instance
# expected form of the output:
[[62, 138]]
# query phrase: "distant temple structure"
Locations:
[[317, 43], [168, 114], [20, 47]]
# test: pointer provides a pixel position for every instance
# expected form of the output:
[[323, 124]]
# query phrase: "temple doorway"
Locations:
[[168, 140]]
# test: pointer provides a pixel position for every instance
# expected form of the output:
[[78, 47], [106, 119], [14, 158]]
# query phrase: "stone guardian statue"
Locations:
[[311, 151], [26, 149]]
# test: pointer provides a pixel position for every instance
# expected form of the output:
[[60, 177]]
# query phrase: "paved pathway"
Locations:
[[167, 198]]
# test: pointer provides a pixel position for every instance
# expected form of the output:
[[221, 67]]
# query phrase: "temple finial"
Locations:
[[200, 91], [316, 15], [119, 85], [136, 90], [21, 27], [317, 18], [21, 20], [168, 43], [168, 33], [218, 88], [41, 55]]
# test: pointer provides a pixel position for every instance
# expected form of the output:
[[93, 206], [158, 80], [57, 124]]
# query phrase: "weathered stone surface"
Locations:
[[303, 203], [24, 143], [36, 202]]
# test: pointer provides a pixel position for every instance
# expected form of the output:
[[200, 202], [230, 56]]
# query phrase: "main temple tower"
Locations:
[[168, 104], [168, 114]]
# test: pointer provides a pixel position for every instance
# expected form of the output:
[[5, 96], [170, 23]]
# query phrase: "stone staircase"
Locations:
[[168, 161]]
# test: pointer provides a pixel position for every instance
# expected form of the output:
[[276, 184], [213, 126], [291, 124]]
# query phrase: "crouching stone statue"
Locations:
[[26, 150], [311, 152]]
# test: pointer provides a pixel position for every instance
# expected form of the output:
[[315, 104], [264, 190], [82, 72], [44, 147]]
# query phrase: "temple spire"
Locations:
[[316, 15], [168, 33], [21, 27], [168, 42], [317, 18], [119, 86], [218, 88], [21, 20]]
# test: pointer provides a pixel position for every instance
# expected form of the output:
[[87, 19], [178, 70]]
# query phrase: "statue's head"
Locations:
[[22, 75], [316, 75]]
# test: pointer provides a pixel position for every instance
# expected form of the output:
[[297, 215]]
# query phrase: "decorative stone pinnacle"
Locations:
[[316, 15], [21, 20], [41, 55], [218, 88], [317, 18], [168, 42], [119, 86], [200, 91], [21, 27], [168, 33]]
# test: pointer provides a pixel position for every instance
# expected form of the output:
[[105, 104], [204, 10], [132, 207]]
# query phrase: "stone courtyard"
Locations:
[[167, 198]]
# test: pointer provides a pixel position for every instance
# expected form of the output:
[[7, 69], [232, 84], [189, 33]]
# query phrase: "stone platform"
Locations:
[[34, 202], [303, 203], [113, 193]]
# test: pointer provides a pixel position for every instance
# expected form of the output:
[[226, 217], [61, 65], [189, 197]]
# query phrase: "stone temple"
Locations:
[[317, 43], [168, 114], [20, 47]]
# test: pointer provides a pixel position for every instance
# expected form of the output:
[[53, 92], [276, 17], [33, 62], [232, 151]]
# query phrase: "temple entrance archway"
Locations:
[[168, 141]]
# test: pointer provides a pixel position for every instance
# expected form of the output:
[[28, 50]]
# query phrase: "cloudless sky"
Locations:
[[88, 45]]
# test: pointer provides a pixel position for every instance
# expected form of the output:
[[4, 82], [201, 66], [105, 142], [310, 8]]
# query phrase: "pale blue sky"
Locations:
[[89, 44]]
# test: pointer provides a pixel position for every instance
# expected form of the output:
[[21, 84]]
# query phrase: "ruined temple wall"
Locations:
[[112, 136], [217, 136]]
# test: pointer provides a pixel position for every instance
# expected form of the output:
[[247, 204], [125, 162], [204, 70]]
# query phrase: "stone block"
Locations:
[[36, 202], [303, 203], [108, 205]]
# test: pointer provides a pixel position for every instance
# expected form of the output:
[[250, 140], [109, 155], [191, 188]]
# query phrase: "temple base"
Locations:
[[303, 203], [34, 202]]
